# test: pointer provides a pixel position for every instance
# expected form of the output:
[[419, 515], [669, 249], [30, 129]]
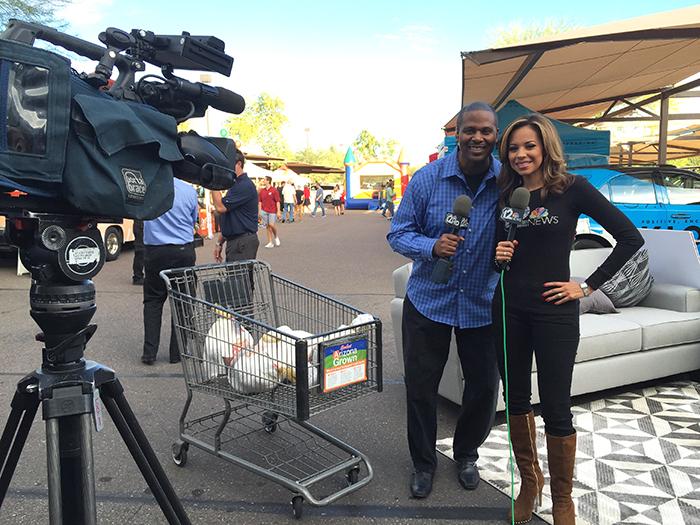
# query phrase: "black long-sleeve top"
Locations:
[[545, 243]]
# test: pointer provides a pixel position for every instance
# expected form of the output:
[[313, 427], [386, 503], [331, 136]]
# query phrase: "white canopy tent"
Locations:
[[256, 172], [282, 175]]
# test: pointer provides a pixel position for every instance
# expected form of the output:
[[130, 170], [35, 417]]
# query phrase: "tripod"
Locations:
[[71, 390]]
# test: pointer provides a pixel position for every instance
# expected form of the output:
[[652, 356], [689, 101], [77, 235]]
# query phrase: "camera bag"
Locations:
[[67, 141], [118, 156]]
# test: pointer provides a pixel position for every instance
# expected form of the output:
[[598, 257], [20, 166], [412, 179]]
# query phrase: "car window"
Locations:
[[682, 188], [629, 189]]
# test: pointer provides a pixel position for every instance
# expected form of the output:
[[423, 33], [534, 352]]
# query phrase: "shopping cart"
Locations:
[[276, 353]]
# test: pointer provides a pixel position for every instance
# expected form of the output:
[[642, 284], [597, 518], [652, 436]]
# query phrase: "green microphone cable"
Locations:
[[506, 397]]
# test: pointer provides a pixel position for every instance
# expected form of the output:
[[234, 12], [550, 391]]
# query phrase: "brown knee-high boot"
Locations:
[[523, 435], [561, 454]]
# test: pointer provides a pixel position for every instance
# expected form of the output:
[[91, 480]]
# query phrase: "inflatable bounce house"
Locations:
[[363, 181]]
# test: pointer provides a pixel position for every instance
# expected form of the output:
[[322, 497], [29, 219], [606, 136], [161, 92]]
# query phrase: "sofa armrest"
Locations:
[[673, 297], [401, 275]]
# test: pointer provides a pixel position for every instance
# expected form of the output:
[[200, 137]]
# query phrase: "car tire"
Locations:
[[586, 244], [327, 199], [113, 243]]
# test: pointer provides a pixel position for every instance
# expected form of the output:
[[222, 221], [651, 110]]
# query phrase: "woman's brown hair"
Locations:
[[556, 178]]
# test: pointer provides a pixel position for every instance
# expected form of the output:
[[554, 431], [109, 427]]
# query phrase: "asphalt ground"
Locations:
[[346, 257]]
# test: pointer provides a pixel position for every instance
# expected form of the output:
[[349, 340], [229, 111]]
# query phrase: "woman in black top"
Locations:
[[542, 301]]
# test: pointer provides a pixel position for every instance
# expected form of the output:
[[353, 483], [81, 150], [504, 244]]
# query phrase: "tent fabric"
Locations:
[[256, 172], [592, 66], [575, 140]]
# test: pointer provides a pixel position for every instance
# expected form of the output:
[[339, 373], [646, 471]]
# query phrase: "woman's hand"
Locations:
[[505, 251], [562, 292]]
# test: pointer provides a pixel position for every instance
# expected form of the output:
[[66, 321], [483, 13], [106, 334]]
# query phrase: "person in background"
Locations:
[[280, 193], [299, 204], [307, 200], [432, 312], [381, 196], [319, 201], [137, 266], [289, 195], [238, 217], [335, 199], [342, 201], [270, 211], [168, 243], [389, 200], [541, 310]]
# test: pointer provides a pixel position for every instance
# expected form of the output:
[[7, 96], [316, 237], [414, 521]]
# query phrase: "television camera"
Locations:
[[77, 149]]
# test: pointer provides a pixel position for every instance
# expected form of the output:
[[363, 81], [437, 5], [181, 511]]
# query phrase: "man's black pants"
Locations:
[[137, 266], [426, 347], [158, 258], [242, 247]]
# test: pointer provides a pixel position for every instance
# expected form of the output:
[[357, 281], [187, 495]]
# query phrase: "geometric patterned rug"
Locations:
[[638, 458]]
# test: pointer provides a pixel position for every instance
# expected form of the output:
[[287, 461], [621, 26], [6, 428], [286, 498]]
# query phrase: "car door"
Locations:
[[639, 195], [683, 195]]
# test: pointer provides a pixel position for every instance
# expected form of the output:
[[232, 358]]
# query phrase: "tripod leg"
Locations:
[[53, 467], [24, 407], [169, 504]]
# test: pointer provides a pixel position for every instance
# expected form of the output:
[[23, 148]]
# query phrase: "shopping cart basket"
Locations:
[[276, 353]]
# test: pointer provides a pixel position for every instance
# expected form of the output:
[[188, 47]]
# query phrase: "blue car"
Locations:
[[659, 197]]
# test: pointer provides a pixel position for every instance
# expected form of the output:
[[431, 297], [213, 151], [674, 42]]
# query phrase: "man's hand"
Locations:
[[446, 245], [217, 253]]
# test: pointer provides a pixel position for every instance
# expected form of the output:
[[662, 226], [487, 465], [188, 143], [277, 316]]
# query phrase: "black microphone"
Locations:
[[216, 97], [456, 220], [514, 215]]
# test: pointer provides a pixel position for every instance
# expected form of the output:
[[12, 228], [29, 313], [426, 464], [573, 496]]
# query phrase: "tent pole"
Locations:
[[663, 128]]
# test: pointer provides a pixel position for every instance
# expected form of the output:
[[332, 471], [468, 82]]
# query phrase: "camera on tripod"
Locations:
[[77, 149]]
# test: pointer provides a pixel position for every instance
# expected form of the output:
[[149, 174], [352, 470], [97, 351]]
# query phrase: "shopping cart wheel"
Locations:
[[297, 506], [269, 419], [179, 450], [353, 475]]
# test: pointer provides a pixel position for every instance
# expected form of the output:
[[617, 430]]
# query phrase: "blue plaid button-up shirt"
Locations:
[[465, 301]]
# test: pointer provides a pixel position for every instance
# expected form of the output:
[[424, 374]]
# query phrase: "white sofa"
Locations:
[[657, 338]]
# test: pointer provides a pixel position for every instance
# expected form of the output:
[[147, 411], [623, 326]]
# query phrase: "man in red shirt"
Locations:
[[269, 205]]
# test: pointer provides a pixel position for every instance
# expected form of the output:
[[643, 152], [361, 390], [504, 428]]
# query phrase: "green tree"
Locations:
[[330, 156], [370, 147], [41, 11], [517, 33], [261, 123]]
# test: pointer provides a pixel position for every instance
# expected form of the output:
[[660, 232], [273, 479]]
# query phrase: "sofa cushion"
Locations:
[[663, 327], [606, 335], [596, 303]]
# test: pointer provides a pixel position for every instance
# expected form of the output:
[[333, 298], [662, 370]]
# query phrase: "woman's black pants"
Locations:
[[553, 337]]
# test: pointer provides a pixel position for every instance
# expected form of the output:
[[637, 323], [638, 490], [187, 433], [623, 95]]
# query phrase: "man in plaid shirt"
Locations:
[[431, 311]]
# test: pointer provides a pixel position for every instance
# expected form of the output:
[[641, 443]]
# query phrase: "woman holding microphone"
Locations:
[[541, 302]]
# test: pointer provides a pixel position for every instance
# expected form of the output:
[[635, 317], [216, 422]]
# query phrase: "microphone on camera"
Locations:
[[217, 97], [514, 215], [456, 220]]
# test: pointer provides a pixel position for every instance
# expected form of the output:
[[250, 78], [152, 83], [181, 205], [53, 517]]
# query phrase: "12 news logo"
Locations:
[[455, 221]]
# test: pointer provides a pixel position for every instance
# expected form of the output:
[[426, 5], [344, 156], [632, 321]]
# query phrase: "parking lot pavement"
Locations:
[[345, 257]]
